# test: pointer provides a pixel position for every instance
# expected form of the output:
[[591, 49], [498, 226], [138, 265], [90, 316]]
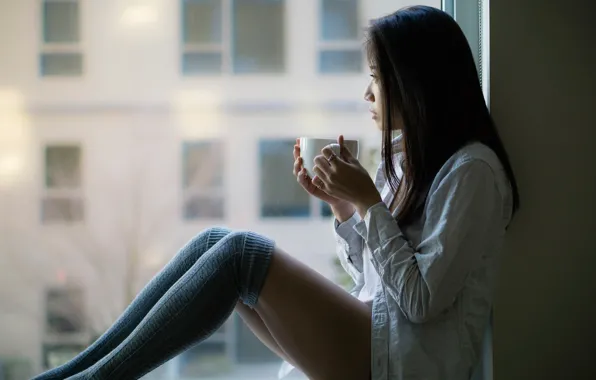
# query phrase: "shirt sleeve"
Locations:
[[461, 217], [349, 248]]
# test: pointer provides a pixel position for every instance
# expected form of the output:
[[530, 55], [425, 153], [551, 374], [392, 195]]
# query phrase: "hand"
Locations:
[[306, 182], [343, 177]]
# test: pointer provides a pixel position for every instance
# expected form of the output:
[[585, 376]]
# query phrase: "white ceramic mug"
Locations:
[[312, 147]]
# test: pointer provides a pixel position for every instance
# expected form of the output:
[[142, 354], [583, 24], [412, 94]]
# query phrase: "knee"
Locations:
[[204, 240], [247, 243], [234, 238], [215, 233]]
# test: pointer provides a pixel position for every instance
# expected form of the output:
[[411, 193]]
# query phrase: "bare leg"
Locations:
[[324, 330], [320, 327], [258, 327]]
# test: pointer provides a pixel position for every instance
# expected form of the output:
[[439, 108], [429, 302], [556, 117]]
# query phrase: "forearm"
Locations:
[[343, 211]]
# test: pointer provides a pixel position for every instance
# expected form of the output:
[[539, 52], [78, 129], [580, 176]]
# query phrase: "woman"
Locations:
[[421, 241]]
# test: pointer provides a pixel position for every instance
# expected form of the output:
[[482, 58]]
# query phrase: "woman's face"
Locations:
[[373, 96]]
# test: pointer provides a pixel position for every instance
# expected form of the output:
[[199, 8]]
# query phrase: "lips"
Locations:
[[374, 114]]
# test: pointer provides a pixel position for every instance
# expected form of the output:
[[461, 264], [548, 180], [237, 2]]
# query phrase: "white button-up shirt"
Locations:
[[431, 283]]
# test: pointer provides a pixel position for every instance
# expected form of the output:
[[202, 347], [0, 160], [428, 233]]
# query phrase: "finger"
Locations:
[[318, 183], [320, 173], [330, 156], [297, 165], [306, 182], [342, 147], [296, 151], [323, 165], [346, 154]]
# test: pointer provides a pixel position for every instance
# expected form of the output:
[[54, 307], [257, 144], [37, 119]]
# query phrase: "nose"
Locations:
[[368, 94]]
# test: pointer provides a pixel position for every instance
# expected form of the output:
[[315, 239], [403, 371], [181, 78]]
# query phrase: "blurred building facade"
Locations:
[[126, 127]]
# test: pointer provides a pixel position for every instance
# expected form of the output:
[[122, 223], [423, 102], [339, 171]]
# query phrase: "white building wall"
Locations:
[[130, 112]]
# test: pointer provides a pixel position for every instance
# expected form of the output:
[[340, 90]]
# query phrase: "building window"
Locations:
[[203, 184], [65, 311], [57, 354], [66, 329], [61, 37], [340, 50], [219, 36], [326, 211], [281, 195], [62, 200]]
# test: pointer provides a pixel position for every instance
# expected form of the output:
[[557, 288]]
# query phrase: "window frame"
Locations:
[[477, 32], [59, 48]]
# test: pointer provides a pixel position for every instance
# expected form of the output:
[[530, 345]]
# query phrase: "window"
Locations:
[[65, 313], [473, 19], [56, 354], [340, 46], [219, 36], [281, 195], [203, 182], [326, 210], [62, 200], [66, 332], [61, 52]]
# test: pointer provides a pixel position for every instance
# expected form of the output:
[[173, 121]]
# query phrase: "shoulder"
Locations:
[[473, 163], [476, 157]]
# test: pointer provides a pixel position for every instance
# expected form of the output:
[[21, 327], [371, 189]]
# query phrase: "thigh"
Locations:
[[257, 326], [324, 330]]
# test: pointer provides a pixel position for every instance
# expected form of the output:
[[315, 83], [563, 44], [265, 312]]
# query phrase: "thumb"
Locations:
[[343, 150]]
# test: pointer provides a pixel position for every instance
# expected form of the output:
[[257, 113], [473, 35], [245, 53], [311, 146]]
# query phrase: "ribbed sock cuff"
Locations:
[[216, 234], [256, 258]]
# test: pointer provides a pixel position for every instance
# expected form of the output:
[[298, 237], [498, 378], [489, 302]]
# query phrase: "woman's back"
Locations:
[[446, 345]]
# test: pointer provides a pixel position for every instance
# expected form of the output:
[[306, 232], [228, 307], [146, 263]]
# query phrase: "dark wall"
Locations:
[[543, 70]]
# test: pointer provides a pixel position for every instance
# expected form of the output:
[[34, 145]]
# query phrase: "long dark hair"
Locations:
[[428, 78]]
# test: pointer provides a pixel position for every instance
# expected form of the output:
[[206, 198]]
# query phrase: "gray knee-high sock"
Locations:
[[193, 308], [141, 305]]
